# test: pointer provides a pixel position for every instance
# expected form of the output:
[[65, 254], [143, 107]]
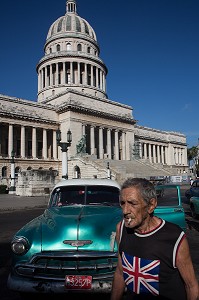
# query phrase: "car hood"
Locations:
[[80, 228]]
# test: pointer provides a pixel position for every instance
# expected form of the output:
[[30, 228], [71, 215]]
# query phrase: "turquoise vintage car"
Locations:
[[71, 247], [194, 207]]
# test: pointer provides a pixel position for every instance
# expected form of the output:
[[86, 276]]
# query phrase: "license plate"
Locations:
[[77, 282]]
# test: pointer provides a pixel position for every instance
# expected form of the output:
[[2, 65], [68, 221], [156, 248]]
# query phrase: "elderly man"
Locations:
[[154, 261]]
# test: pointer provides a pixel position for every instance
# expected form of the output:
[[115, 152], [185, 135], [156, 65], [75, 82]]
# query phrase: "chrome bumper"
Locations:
[[47, 287]]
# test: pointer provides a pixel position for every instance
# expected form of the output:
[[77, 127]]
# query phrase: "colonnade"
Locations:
[[162, 154], [25, 142], [71, 73], [33, 142], [106, 142]]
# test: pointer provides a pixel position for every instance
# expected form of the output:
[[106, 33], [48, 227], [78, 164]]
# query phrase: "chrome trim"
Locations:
[[77, 243]]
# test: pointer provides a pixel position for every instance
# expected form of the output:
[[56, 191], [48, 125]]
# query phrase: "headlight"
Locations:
[[20, 245]]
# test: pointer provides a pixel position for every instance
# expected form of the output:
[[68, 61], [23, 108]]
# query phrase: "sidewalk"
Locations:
[[12, 202]]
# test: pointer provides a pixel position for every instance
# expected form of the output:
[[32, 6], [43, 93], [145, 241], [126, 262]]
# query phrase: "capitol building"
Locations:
[[72, 101]]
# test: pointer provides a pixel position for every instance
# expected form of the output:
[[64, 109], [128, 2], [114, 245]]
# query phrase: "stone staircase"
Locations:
[[121, 170]]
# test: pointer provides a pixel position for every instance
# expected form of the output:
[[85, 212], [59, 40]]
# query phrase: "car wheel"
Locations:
[[193, 212]]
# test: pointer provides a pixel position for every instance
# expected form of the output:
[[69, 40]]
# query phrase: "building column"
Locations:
[[149, 145], [116, 146], [123, 146], [166, 155], [158, 153], [83, 129], [54, 145], [101, 149], [56, 74], [85, 74], [78, 73], [44, 154], [46, 79], [10, 140], [154, 154], [97, 77], [39, 81], [104, 83], [71, 73], [145, 151], [64, 72], [92, 134], [51, 75], [22, 141], [101, 87], [34, 143], [91, 75], [109, 143]]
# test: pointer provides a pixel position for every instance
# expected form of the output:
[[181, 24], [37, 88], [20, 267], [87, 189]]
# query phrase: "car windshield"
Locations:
[[85, 195], [167, 195]]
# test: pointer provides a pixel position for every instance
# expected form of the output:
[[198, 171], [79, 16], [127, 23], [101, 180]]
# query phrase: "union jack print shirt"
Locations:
[[141, 275], [149, 262]]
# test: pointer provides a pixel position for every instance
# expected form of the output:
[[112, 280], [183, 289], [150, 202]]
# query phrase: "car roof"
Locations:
[[89, 181]]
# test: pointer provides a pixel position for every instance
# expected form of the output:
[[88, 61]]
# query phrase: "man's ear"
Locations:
[[152, 205]]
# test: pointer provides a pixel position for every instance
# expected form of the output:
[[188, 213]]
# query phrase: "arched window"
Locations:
[[58, 48], [50, 50], [89, 50], [77, 172], [79, 47], [68, 47], [4, 172]]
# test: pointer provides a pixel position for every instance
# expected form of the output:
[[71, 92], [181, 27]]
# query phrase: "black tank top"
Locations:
[[149, 262]]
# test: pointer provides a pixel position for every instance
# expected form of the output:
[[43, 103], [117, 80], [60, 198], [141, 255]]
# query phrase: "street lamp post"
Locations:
[[64, 148], [108, 171], [12, 189]]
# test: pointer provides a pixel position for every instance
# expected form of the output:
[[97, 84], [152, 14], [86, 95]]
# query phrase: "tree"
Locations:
[[192, 155]]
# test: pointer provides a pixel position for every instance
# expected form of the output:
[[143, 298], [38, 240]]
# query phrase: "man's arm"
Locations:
[[118, 285], [185, 267]]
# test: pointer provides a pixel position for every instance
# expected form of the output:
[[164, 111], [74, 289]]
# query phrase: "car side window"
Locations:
[[168, 197], [194, 184]]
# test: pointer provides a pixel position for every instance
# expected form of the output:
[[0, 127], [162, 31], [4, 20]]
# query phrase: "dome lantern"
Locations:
[[71, 6]]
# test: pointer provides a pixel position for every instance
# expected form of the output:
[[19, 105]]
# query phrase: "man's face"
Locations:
[[135, 210]]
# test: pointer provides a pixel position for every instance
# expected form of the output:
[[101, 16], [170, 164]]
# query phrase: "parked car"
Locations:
[[71, 246], [170, 206], [194, 207], [156, 182], [193, 191]]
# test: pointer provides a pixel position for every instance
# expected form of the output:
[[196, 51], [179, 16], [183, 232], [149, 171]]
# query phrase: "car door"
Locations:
[[195, 189]]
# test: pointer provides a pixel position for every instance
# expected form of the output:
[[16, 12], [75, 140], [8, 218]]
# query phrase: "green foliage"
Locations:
[[192, 153]]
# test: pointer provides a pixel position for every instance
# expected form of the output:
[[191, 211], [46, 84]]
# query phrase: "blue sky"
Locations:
[[150, 47]]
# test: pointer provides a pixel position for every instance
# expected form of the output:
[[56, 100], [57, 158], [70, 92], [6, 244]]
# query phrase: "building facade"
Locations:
[[72, 96]]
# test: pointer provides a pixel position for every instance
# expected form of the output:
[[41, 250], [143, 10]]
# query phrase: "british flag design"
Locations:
[[141, 275]]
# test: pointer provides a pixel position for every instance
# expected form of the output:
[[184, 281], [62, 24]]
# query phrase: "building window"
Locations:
[[79, 47], [58, 48], [89, 50], [68, 47]]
